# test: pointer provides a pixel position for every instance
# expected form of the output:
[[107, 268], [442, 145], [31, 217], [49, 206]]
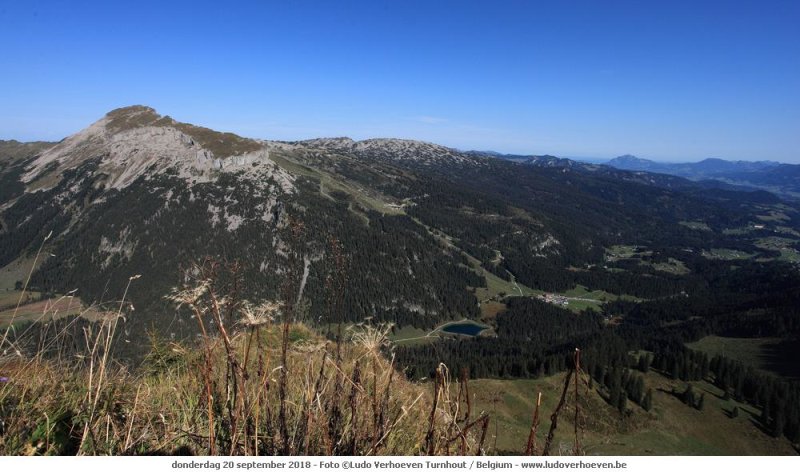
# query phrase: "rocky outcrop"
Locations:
[[136, 142]]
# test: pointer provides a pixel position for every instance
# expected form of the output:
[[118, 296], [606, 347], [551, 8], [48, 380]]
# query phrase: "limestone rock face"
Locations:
[[137, 143]]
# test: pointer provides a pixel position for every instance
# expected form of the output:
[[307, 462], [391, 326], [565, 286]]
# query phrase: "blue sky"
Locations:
[[663, 80]]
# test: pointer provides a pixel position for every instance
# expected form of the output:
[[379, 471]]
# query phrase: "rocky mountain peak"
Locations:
[[131, 142]]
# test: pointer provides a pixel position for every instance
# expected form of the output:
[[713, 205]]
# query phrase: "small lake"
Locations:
[[465, 328]]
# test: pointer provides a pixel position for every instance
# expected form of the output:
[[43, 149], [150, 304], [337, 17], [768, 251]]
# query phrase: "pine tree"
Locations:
[[705, 366], [765, 413], [638, 391], [647, 403], [778, 424], [688, 395], [644, 363], [622, 402]]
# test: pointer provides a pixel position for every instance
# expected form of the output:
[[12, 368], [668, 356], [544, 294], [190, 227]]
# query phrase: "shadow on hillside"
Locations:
[[755, 420], [780, 357]]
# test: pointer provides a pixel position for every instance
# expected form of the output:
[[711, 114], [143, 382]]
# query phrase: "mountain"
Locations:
[[782, 179], [536, 254], [630, 162], [388, 150], [429, 234], [139, 193], [638, 174], [545, 160], [11, 154], [707, 168], [13, 151]]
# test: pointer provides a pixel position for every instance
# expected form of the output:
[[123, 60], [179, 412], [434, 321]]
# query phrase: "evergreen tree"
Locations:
[[778, 424], [622, 402], [647, 403], [674, 371], [765, 413], [688, 396], [644, 363], [638, 389]]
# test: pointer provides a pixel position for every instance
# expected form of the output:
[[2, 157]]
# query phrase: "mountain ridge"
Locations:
[[137, 192], [779, 178], [713, 164]]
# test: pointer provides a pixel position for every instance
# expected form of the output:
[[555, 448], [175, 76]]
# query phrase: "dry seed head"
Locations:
[[372, 338], [189, 296], [262, 314]]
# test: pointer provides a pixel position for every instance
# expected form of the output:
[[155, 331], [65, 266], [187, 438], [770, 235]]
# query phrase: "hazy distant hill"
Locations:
[[782, 179]]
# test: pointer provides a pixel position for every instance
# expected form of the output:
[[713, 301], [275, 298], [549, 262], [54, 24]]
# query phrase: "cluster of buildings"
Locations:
[[554, 299]]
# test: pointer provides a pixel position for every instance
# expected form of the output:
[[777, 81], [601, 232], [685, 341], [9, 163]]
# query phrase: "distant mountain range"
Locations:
[[775, 177], [781, 179], [545, 160], [707, 168]]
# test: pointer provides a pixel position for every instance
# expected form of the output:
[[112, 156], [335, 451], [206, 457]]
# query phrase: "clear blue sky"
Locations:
[[663, 80]]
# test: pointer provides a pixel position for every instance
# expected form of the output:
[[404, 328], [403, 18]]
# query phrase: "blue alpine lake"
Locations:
[[468, 329]]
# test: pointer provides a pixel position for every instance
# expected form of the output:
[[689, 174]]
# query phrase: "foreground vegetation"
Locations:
[[254, 382], [185, 401]]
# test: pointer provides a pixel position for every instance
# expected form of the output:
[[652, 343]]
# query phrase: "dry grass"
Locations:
[[254, 382], [44, 311], [223, 398]]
